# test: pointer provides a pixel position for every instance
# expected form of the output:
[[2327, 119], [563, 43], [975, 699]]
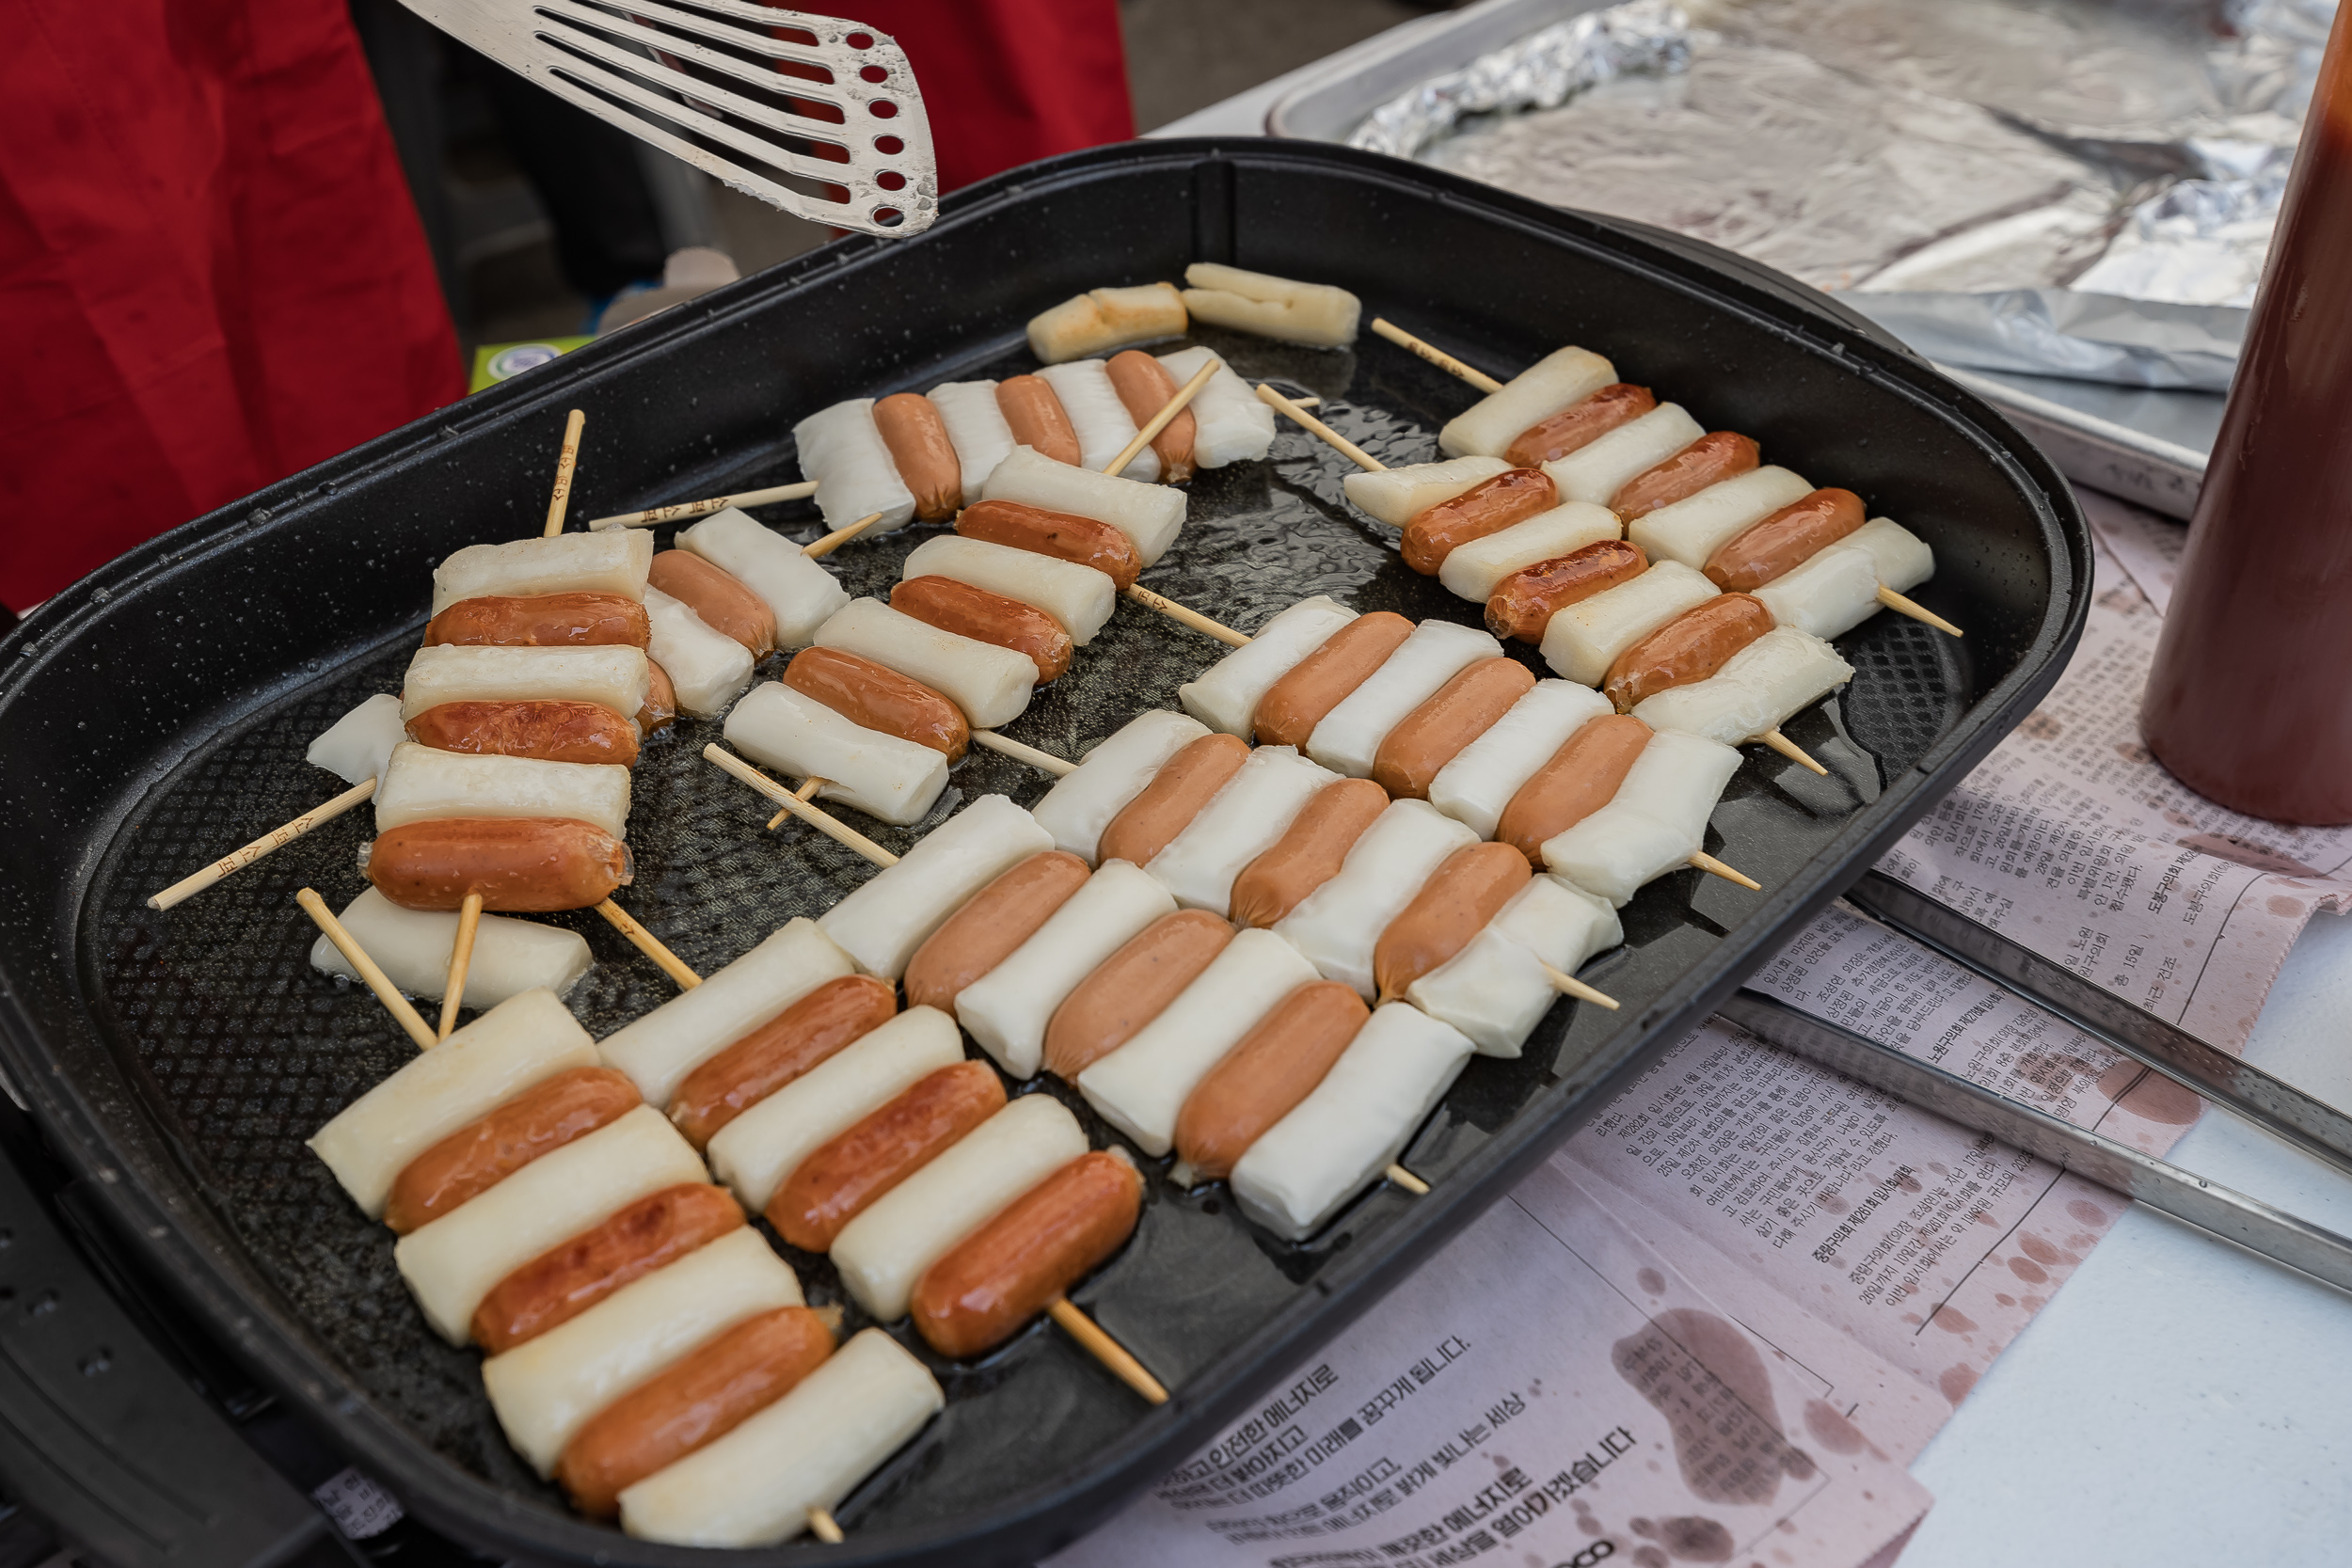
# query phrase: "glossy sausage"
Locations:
[[1784, 541], [1461, 711], [717, 597], [748, 1070], [1055, 533], [1144, 385], [1488, 507], [564, 1281], [1045, 1240], [868, 694], [1710, 460], [994, 921], [520, 864], [542, 621], [1294, 705], [1466, 892], [1131, 988], [1149, 822], [543, 1117], [1523, 604], [702, 1396], [1580, 424], [1038, 419], [1308, 853], [660, 700], [925, 457], [1582, 777], [986, 617], [546, 729], [833, 1185], [1277, 1065], [1691, 647]]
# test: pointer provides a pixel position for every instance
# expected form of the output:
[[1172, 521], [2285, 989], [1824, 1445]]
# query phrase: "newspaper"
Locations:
[[1747, 1243]]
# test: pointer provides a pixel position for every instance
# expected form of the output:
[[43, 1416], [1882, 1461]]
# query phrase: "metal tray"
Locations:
[[158, 710]]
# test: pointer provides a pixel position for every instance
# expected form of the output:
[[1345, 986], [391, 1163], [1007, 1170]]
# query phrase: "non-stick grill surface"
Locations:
[[235, 1051]]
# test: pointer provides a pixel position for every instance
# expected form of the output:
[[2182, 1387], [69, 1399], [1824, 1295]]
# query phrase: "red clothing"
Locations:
[[212, 274]]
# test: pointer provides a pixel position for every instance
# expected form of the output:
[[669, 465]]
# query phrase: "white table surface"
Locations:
[[2180, 1403]]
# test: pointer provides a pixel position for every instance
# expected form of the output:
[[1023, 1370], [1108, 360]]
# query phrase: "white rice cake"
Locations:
[[1008, 1008], [1099, 417], [1904, 560], [1479, 783], [1829, 595], [1495, 989], [1149, 514], [707, 667], [1691, 529], [991, 685], [1321, 315], [1226, 696], [615, 677], [612, 561], [889, 779], [842, 449], [1349, 736], [1240, 823], [1780, 673], [355, 747], [1101, 320], [1583, 639], [881, 923], [1475, 570], [1231, 422], [800, 593], [421, 784], [1598, 471], [1079, 599], [1397, 495], [977, 428], [1083, 802], [1654, 824], [412, 948], [659, 1050], [1487, 427], [1337, 925]]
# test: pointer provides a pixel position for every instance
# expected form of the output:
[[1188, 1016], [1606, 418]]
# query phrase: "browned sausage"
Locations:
[[925, 457], [1488, 507], [880, 698], [1582, 777], [748, 1070], [1054, 533], [1464, 708], [986, 617], [695, 1399], [1036, 1248], [1149, 822], [1710, 460], [840, 1178], [542, 621], [993, 922], [1453, 906], [1277, 1065], [1294, 705], [1784, 541], [1131, 988], [1308, 853], [1580, 424], [1038, 418], [550, 730], [661, 707], [1523, 604], [570, 1277], [1691, 647], [520, 864], [479, 1155], [1144, 385], [718, 597]]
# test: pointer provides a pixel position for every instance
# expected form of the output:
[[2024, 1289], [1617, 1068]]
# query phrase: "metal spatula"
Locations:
[[813, 113]]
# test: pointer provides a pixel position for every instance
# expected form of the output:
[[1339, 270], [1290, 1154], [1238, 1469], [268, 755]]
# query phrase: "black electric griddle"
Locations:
[[156, 713]]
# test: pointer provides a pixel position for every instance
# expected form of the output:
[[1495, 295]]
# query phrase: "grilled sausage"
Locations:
[[1784, 541], [925, 457], [1488, 507], [840, 1178], [719, 597], [1144, 385], [1523, 604], [1277, 1065], [541, 1119], [549, 730], [1131, 988], [542, 621], [1464, 708], [1580, 424], [1149, 822], [986, 617], [1582, 777], [1308, 853], [1466, 892], [661, 707], [520, 864], [1044, 1242], [994, 921], [868, 694], [1294, 705], [1691, 647], [568, 1279], [748, 1070], [1038, 418], [1055, 533], [1710, 460]]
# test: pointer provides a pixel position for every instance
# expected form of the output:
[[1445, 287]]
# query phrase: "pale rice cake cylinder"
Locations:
[[706, 666], [1343, 1135], [977, 428], [800, 593], [422, 785], [1337, 925], [1583, 639], [1348, 738], [1904, 560], [1230, 424], [1083, 802], [1599, 470], [1100, 418], [842, 449], [1487, 427], [881, 923], [1320, 315], [659, 1050], [1691, 529], [1078, 597], [1827, 595], [1494, 990], [1149, 514], [1008, 1008], [1475, 570], [1241, 822], [1479, 783], [1653, 825], [1779, 675], [1101, 320], [613, 678], [412, 948], [612, 561], [890, 779], [991, 685], [1226, 696], [1397, 495], [355, 747], [1559, 921]]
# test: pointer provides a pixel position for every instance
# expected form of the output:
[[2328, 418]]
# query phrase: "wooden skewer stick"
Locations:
[[806, 792], [1158, 422], [369, 972], [1568, 984], [1407, 1181], [1436, 355], [1045, 762], [839, 832], [1138, 594], [1298, 416], [821, 1525], [1106, 1350], [649, 945], [460, 960], [277, 838], [1790, 749], [1919, 612], [841, 536], [678, 512], [563, 465], [1714, 867]]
